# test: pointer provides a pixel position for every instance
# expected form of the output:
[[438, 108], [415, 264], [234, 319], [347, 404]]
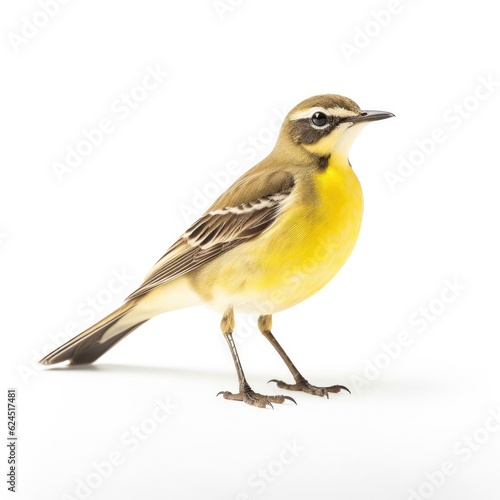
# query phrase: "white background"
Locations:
[[230, 73]]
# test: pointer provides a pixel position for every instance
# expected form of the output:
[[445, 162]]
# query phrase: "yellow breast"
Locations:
[[302, 251]]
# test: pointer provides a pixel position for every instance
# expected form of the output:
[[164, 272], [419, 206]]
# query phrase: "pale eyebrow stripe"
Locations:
[[337, 111], [342, 112], [306, 113]]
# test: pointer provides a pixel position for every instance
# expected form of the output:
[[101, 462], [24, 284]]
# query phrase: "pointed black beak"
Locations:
[[369, 116]]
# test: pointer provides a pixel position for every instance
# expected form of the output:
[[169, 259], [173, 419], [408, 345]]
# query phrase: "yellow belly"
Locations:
[[299, 254]]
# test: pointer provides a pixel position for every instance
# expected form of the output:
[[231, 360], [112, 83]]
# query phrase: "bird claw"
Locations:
[[252, 398], [305, 386]]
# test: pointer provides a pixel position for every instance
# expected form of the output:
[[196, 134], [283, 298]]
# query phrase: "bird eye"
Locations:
[[319, 119]]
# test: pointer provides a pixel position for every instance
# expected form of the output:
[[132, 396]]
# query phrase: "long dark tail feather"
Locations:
[[87, 347], [88, 351]]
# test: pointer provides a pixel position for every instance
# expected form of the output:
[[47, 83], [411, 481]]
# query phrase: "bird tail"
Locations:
[[99, 338]]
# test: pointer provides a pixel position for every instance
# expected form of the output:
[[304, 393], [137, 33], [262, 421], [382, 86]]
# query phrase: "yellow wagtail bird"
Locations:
[[274, 238]]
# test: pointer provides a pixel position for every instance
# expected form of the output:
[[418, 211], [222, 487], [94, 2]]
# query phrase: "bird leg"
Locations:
[[301, 384], [246, 394]]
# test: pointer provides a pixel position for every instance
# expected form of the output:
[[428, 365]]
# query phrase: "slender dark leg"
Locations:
[[245, 394], [301, 384]]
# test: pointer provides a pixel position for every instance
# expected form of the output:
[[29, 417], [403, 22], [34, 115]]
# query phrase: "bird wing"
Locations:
[[254, 201]]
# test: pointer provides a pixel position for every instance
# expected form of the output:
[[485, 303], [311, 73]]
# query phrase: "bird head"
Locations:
[[327, 125]]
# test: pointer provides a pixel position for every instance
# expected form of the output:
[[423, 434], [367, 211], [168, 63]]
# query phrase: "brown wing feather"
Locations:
[[216, 232]]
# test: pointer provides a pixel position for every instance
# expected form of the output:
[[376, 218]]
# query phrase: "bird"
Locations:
[[275, 237]]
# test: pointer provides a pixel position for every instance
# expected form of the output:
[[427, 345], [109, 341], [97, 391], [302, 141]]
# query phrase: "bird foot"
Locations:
[[252, 398], [305, 386]]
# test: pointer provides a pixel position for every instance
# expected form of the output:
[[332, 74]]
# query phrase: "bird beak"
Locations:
[[369, 116]]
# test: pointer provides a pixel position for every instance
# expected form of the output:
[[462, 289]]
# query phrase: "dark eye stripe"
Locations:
[[303, 132]]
